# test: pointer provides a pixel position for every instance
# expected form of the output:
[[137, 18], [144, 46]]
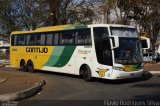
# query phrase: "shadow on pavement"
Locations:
[[154, 96], [147, 85], [147, 75], [58, 74]]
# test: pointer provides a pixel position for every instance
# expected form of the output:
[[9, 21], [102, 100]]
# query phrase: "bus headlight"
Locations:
[[118, 68]]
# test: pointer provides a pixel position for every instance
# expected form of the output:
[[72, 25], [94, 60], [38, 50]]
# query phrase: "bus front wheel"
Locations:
[[86, 73], [30, 66]]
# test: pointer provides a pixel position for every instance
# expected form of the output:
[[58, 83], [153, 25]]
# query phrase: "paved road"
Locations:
[[68, 87], [152, 67], [62, 87]]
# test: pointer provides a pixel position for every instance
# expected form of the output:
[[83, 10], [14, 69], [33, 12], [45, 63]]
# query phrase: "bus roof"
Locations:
[[110, 25], [51, 28], [67, 27]]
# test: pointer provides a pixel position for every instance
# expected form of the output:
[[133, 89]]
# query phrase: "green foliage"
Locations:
[[31, 14], [7, 16]]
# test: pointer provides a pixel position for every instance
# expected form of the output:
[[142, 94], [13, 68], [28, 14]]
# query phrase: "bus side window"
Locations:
[[30, 40], [67, 38], [56, 36], [38, 39], [14, 40], [21, 40], [27, 39], [42, 41], [49, 39], [84, 37]]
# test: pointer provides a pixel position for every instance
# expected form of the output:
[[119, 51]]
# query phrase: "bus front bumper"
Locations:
[[116, 74]]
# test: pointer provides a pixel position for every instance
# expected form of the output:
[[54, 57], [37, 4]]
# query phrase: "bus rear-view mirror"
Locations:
[[114, 41], [145, 42]]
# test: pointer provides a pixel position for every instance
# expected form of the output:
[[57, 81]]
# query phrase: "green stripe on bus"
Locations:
[[65, 56], [137, 66], [55, 55]]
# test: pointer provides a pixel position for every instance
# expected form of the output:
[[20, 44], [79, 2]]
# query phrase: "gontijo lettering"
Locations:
[[36, 50]]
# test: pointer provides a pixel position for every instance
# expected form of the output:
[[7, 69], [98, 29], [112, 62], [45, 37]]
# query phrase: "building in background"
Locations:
[[4, 51]]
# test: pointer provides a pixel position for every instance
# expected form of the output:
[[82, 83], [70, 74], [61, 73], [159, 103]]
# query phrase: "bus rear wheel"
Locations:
[[30, 66], [23, 65], [86, 73]]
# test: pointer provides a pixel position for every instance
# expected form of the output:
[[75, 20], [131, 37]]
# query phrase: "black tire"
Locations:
[[30, 66], [86, 73], [23, 65]]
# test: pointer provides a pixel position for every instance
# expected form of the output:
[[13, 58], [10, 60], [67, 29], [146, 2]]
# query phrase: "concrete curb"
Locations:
[[155, 72], [2, 79], [23, 94]]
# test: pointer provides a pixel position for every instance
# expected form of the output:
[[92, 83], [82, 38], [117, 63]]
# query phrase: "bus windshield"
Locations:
[[129, 51], [124, 32]]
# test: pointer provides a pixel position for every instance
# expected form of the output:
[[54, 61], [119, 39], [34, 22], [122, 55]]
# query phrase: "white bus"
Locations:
[[99, 50]]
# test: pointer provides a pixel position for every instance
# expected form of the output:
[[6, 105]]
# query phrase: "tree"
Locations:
[[30, 14], [146, 14], [120, 9], [69, 11], [7, 17], [20, 15]]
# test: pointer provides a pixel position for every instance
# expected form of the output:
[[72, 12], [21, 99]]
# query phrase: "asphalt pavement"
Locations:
[[16, 85], [70, 90], [153, 68]]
